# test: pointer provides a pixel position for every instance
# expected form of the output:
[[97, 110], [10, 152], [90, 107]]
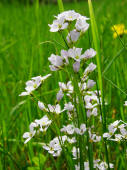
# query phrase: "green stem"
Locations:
[[80, 117], [81, 112]]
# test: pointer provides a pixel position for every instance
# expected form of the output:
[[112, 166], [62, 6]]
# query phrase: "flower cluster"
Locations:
[[98, 164], [70, 129], [50, 108], [33, 84], [73, 55], [76, 103], [55, 146], [40, 125], [64, 21], [117, 131]]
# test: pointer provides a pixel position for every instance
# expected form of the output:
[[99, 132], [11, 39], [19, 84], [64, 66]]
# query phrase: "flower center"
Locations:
[[35, 85], [43, 123], [77, 57], [30, 135], [111, 133], [51, 149], [59, 25]]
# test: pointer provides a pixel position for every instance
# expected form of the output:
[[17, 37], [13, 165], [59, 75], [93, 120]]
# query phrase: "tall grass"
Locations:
[[96, 43], [21, 30]]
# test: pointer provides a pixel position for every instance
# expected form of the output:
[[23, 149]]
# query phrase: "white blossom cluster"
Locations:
[[72, 55], [117, 131], [66, 98], [64, 21], [93, 136], [71, 129], [55, 146], [98, 165], [33, 84], [43, 125], [50, 108]]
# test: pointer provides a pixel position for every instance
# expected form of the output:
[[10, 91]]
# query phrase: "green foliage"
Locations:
[[38, 162], [24, 53]]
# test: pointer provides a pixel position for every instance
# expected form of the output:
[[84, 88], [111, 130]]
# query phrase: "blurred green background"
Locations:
[[23, 26]]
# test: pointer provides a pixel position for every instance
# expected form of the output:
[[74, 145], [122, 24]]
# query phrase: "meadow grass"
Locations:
[[25, 46]]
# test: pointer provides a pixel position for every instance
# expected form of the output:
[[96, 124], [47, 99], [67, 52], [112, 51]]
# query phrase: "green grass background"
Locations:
[[22, 29]]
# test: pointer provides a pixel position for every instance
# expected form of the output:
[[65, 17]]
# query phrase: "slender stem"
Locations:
[[83, 118], [64, 39], [80, 118]]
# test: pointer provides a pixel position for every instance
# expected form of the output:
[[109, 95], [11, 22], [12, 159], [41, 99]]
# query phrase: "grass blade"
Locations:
[[60, 4], [96, 42]]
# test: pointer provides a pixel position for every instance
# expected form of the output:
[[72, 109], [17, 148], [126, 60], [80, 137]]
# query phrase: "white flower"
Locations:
[[33, 84], [51, 108], [91, 98], [53, 147], [122, 126], [25, 93], [58, 25], [63, 138], [125, 104], [82, 86], [69, 106], [59, 95], [30, 134], [53, 68], [66, 87], [42, 106], [91, 101], [70, 15], [94, 137], [103, 166], [55, 109], [85, 86], [81, 130], [92, 112], [40, 78], [112, 129], [77, 167], [73, 36], [75, 152], [56, 61], [90, 68], [113, 126], [123, 133], [69, 129], [71, 140], [90, 53], [75, 53], [64, 55], [107, 135], [76, 66], [44, 123], [86, 166], [118, 137], [90, 84], [81, 24], [98, 164]]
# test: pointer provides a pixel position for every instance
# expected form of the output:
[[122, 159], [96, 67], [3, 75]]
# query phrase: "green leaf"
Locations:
[[40, 160]]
